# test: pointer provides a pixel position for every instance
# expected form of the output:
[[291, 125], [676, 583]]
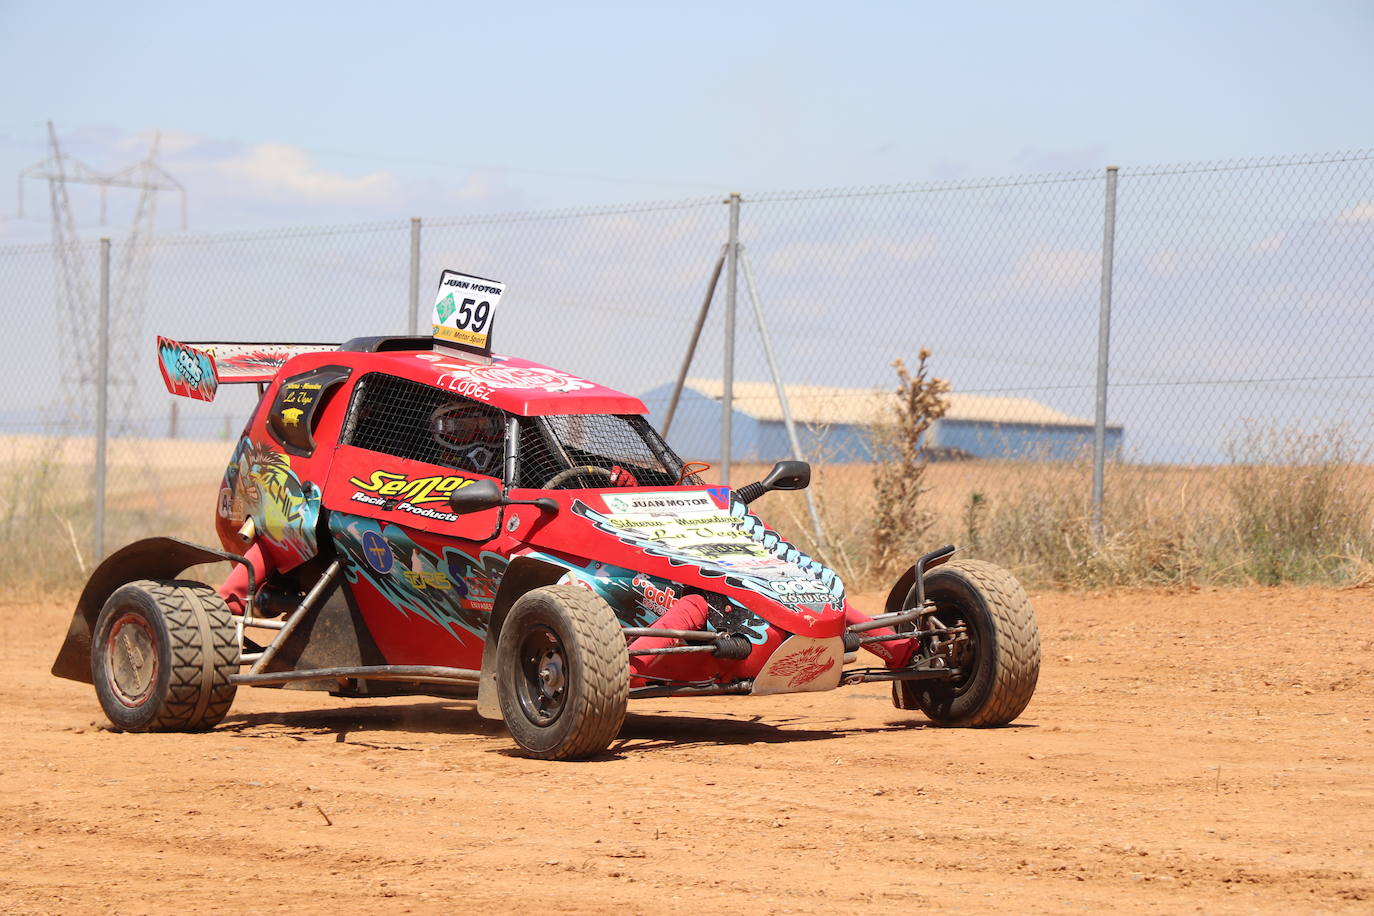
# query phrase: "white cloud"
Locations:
[[232, 185], [292, 171], [1360, 213], [1047, 272]]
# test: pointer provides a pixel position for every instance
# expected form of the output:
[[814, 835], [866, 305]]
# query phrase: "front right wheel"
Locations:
[[999, 662], [562, 673]]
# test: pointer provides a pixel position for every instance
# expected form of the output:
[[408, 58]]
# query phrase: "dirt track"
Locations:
[[1207, 751]]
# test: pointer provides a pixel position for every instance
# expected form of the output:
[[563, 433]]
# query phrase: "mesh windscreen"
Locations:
[[550, 445], [399, 417]]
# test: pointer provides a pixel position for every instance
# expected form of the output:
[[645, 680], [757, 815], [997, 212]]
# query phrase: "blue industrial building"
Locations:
[[836, 423]]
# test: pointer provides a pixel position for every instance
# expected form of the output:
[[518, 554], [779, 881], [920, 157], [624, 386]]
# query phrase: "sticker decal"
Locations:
[[424, 496], [464, 311], [427, 578], [295, 407], [418, 581], [477, 380], [431, 488], [377, 552], [261, 484], [187, 371], [801, 664], [445, 307], [656, 504], [688, 529]]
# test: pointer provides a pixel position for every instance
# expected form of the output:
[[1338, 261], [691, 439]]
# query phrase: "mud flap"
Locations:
[[488, 700], [151, 558], [801, 664]]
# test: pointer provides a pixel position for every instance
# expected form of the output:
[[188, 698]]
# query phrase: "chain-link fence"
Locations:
[[1238, 400]]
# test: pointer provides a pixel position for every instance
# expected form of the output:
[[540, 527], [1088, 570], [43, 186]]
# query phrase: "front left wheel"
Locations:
[[999, 656], [162, 654], [563, 673]]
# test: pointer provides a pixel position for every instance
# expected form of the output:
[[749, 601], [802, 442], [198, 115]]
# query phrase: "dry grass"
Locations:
[[1289, 508], [1298, 509], [47, 503]]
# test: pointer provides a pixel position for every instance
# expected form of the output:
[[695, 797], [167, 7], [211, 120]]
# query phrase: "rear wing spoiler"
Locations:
[[196, 370]]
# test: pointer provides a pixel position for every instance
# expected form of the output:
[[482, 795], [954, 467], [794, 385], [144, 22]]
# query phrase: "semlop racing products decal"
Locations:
[[424, 496]]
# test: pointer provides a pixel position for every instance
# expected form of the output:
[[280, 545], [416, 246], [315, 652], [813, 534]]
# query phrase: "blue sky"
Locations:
[[291, 114], [286, 113]]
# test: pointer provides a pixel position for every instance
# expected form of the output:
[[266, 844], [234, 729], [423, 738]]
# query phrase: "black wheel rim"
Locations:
[[543, 684], [954, 611], [131, 663]]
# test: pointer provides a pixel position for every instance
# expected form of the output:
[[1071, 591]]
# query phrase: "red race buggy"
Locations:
[[403, 517]]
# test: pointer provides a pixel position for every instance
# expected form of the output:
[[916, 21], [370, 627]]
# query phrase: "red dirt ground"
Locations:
[[1208, 751]]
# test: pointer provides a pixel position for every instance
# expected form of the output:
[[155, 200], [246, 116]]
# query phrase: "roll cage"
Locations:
[[398, 416]]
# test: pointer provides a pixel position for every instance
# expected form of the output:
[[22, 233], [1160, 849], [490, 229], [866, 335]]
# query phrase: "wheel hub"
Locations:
[[543, 686], [131, 657]]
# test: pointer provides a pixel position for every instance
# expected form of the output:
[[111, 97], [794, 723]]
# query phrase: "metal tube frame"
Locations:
[[936, 631], [821, 542], [704, 635], [673, 650], [668, 690], [423, 673], [864, 675], [321, 586], [692, 346]]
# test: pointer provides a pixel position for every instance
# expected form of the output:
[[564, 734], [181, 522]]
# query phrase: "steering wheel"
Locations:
[[562, 477]]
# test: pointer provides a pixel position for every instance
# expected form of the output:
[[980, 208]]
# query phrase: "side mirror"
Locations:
[[786, 475], [486, 494], [476, 497]]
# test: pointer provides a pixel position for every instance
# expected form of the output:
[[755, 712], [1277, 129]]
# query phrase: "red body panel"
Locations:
[[424, 578], [405, 492]]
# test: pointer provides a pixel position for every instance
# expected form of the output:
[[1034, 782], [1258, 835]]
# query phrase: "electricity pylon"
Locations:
[[76, 303]]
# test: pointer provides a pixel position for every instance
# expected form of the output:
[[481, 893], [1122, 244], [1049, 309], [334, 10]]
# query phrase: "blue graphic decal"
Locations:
[[377, 552], [639, 599], [453, 590], [188, 368]]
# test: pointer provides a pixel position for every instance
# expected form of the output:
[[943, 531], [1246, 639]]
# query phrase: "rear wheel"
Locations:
[[563, 675], [162, 654], [999, 661]]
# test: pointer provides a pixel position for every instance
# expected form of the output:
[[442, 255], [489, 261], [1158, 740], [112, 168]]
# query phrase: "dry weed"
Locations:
[[900, 515]]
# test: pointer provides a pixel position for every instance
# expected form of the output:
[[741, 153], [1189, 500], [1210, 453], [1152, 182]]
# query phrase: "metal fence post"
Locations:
[[692, 346], [1104, 328], [822, 545], [102, 398], [727, 397], [413, 321]]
